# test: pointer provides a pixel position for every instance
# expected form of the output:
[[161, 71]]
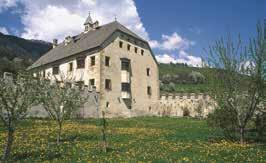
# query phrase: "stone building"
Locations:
[[112, 59]]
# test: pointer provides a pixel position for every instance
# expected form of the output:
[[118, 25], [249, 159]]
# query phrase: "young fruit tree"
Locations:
[[17, 95], [61, 101], [237, 83]]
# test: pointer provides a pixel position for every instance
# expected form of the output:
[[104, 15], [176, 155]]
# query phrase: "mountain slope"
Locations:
[[18, 53]]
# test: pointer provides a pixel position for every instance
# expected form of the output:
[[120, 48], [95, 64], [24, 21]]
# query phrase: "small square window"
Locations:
[[108, 85], [120, 44], [149, 90], [107, 61], [136, 50], [142, 52], [92, 60], [70, 66], [81, 62], [55, 70], [128, 47], [148, 71]]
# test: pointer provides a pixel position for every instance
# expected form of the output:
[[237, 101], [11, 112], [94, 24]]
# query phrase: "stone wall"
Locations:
[[186, 104], [88, 110], [172, 105]]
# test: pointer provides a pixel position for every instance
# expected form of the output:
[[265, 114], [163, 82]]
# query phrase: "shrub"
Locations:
[[196, 77], [224, 119]]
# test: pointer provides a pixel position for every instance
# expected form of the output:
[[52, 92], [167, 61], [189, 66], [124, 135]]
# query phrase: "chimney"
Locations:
[[68, 39], [55, 42]]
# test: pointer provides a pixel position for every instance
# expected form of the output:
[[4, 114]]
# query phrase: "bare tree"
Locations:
[[16, 97], [238, 84], [61, 100]]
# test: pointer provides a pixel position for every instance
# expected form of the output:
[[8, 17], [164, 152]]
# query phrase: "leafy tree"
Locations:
[[237, 85], [61, 101], [196, 77], [17, 95]]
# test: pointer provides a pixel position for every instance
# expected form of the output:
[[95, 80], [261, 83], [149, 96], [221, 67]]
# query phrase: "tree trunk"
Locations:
[[104, 133], [9, 142], [242, 134], [59, 134]]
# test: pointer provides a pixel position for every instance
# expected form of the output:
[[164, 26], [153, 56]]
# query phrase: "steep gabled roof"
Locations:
[[82, 42]]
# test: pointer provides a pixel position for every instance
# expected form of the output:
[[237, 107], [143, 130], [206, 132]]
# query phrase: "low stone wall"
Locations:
[[185, 104], [88, 110], [172, 105]]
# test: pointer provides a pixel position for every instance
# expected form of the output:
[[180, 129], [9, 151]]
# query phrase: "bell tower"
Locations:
[[89, 24]]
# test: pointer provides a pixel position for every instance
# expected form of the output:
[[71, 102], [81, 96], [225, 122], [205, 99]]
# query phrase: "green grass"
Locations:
[[136, 139]]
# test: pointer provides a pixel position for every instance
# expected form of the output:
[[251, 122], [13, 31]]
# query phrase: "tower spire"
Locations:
[[88, 20], [89, 24]]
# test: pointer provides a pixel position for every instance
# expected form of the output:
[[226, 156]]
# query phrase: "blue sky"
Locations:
[[177, 29]]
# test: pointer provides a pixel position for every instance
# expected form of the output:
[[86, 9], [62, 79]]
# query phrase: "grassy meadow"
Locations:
[[136, 139]]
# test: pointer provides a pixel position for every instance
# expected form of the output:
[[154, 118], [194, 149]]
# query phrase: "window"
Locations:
[[70, 66], [128, 47], [125, 65], [148, 71], [81, 62], [107, 61], [92, 82], [92, 60], [136, 50], [108, 85], [107, 104], [43, 74], [55, 70], [142, 52], [149, 90], [125, 87], [120, 44]]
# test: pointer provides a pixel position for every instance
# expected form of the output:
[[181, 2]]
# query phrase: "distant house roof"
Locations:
[[82, 42]]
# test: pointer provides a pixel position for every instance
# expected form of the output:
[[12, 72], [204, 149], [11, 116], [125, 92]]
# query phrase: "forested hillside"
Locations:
[[18, 53], [182, 78]]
